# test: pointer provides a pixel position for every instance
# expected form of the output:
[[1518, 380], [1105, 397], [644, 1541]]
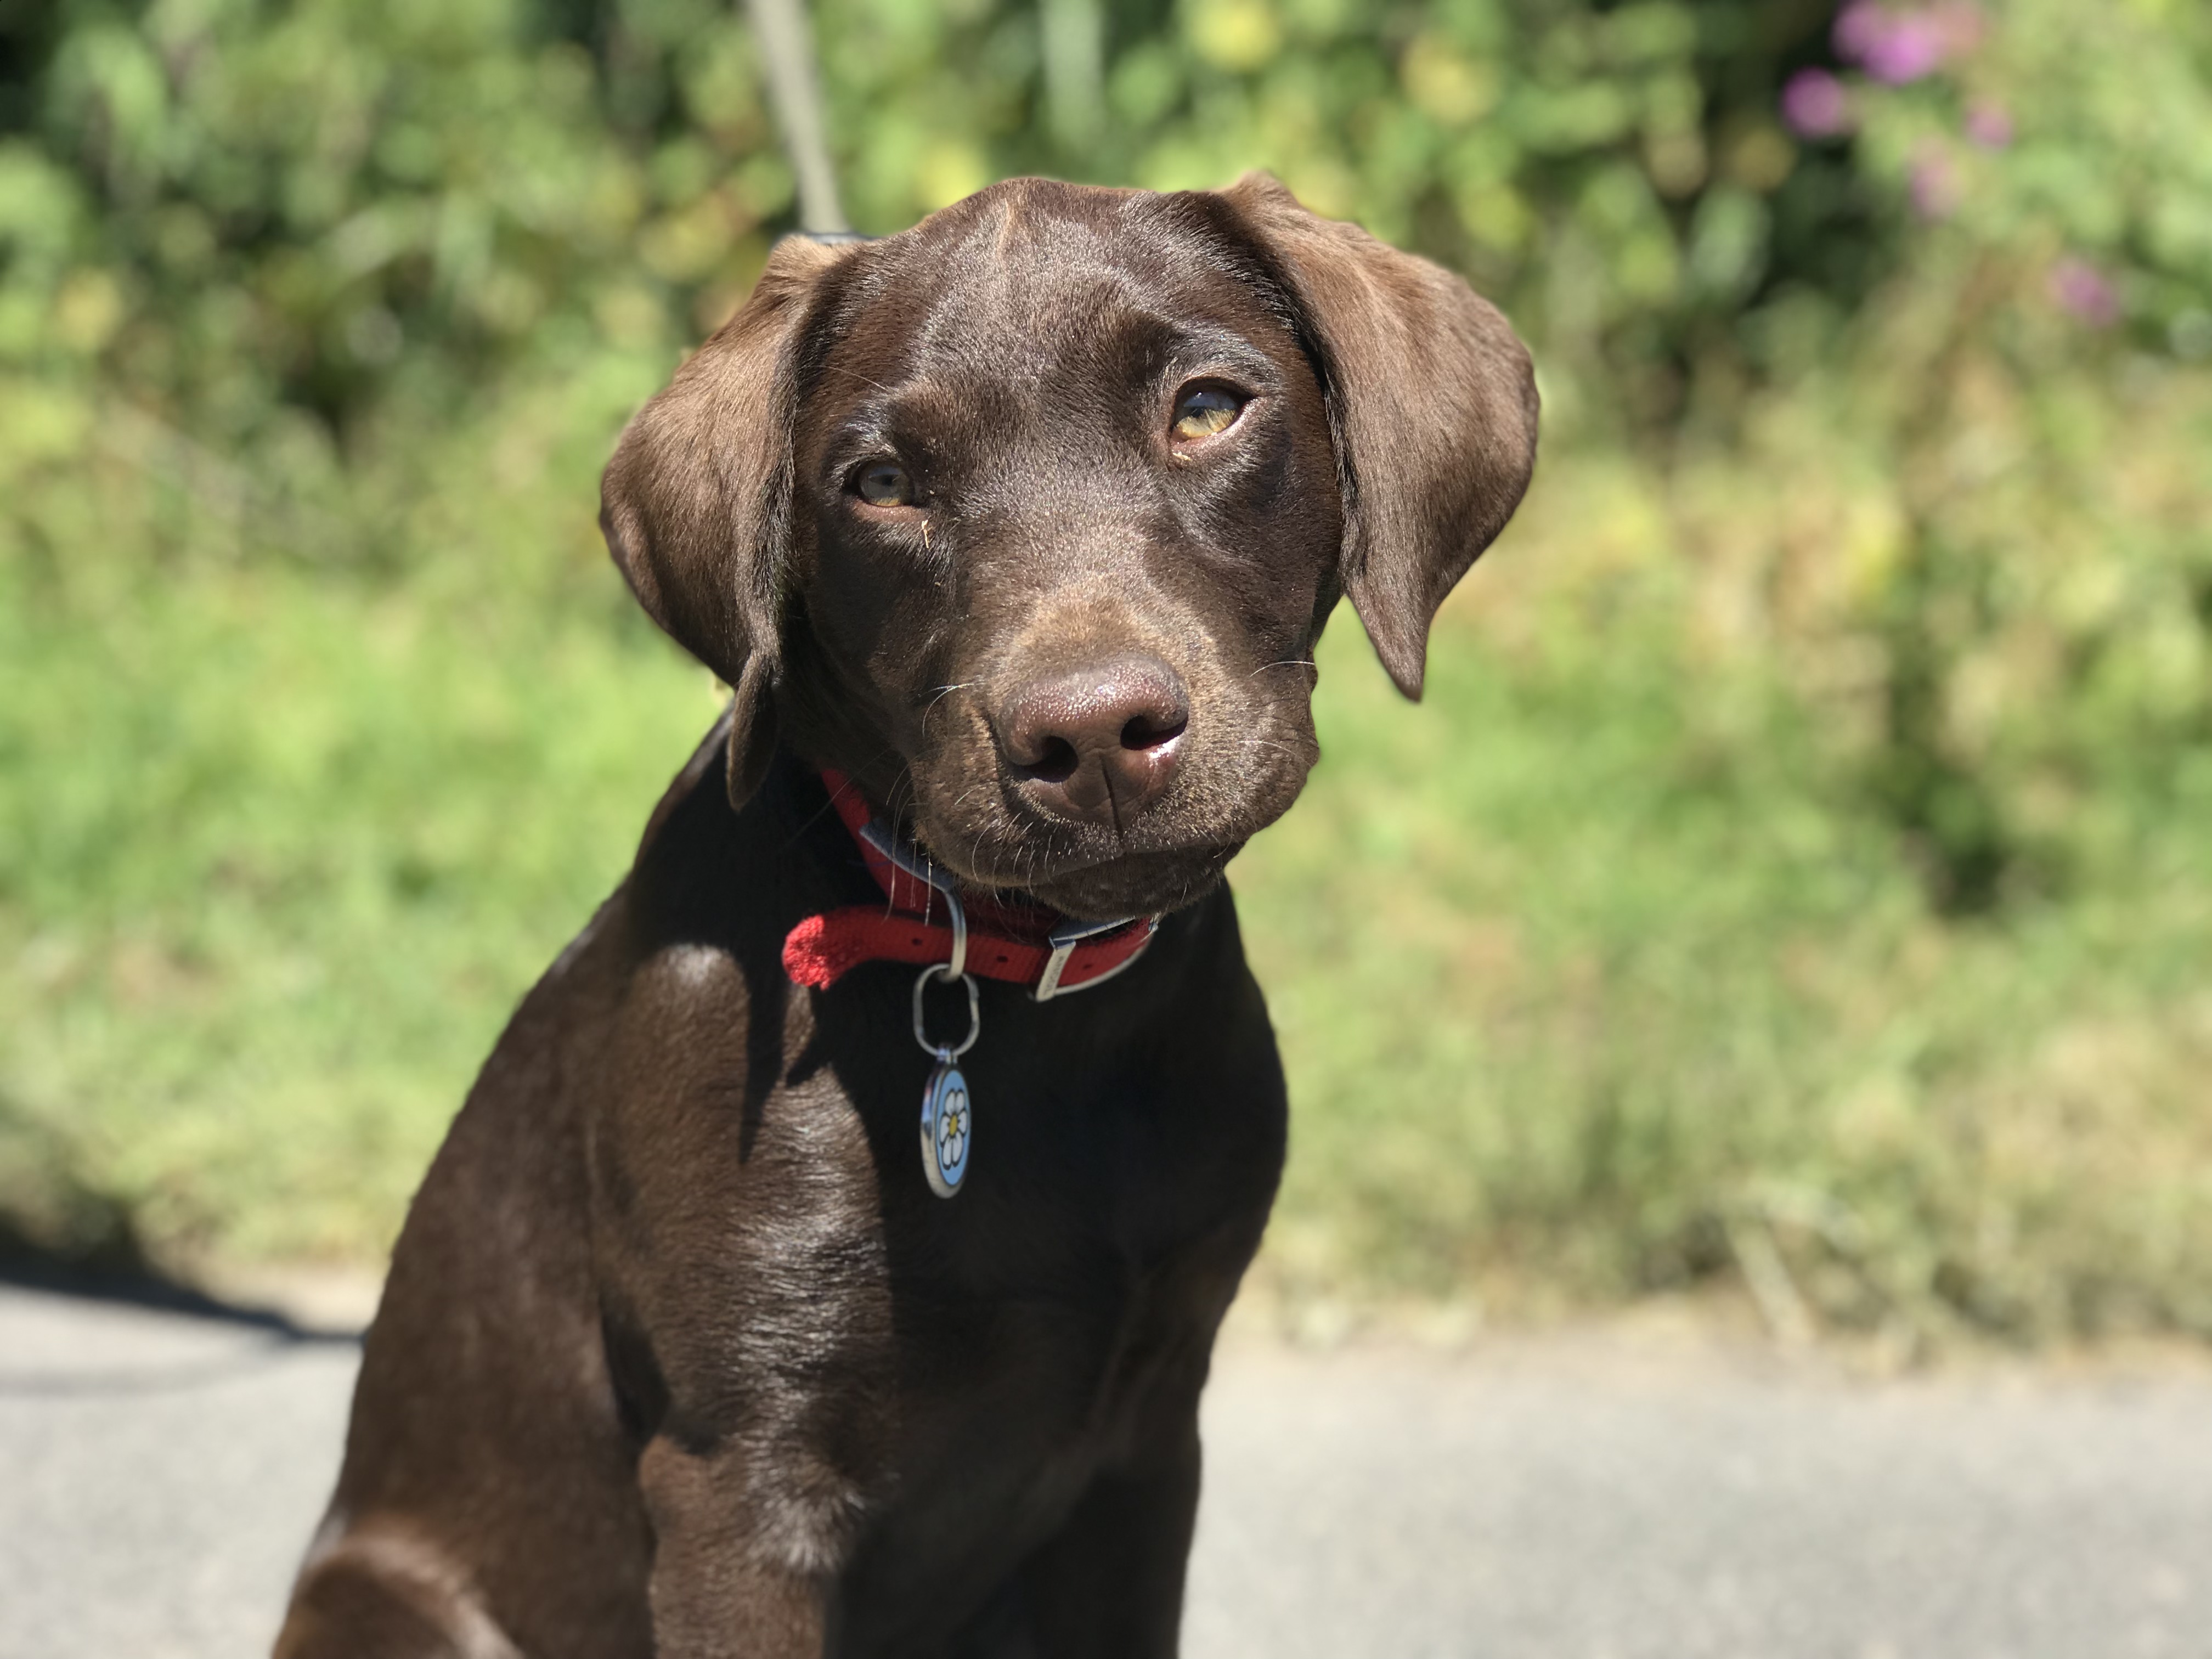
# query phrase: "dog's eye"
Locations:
[[884, 483], [1204, 412]]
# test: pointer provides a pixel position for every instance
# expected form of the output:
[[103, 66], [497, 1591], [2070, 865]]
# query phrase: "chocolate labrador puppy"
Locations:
[[1013, 535]]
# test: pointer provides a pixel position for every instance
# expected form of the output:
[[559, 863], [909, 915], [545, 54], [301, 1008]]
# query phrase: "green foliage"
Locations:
[[244, 211], [1600, 971], [276, 859], [2034, 397], [1796, 862]]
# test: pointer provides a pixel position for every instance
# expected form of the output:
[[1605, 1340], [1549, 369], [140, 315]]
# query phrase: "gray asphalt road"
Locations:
[[1565, 1499]]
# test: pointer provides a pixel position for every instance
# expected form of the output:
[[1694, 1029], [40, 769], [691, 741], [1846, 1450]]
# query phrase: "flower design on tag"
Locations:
[[952, 1129]]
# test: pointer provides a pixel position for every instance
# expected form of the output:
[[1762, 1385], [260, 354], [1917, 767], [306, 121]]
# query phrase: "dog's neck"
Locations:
[[1013, 939]]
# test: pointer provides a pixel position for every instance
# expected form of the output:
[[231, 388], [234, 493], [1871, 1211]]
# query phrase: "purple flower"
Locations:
[[1816, 105], [1934, 186], [2084, 293], [1897, 47], [1856, 26], [1909, 48], [1989, 126]]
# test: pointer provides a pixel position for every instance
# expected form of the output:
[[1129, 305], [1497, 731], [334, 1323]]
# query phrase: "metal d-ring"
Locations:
[[958, 964], [944, 970]]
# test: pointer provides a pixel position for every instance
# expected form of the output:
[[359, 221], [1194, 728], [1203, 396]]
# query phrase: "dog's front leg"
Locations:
[[740, 1571], [1109, 1583]]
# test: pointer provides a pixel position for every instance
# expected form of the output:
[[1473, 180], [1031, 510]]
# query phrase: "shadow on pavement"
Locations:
[[70, 1328]]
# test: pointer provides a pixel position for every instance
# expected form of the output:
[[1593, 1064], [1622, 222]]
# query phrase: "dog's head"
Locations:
[[1029, 518]]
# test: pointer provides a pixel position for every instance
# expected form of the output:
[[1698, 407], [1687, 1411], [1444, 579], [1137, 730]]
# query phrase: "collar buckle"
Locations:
[[1064, 938]]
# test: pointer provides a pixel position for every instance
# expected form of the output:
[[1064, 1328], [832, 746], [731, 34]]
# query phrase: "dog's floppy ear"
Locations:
[[695, 505], [1432, 401]]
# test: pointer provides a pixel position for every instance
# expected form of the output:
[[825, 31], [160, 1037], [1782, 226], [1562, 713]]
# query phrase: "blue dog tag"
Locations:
[[947, 1126]]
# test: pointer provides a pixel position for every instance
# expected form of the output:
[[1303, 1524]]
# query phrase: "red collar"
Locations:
[[1020, 942]]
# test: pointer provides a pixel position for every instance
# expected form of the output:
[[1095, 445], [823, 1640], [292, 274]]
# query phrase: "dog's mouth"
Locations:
[[1139, 884], [1143, 884]]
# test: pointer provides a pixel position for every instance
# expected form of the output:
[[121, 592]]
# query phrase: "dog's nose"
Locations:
[[1098, 744]]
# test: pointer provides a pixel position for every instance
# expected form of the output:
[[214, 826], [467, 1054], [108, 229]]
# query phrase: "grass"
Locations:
[[1597, 973], [1581, 1002], [280, 856]]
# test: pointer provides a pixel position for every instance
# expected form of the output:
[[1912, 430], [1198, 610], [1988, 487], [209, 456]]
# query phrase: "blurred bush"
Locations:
[[299, 226], [1870, 564]]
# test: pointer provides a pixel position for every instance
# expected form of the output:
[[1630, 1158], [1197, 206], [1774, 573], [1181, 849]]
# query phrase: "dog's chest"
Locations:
[[1050, 1324], [1009, 1409]]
